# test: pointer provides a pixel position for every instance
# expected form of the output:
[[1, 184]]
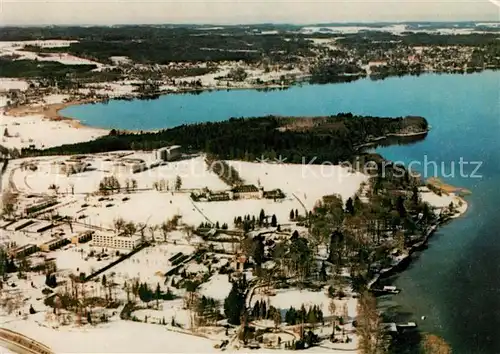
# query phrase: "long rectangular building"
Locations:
[[115, 241], [23, 251]]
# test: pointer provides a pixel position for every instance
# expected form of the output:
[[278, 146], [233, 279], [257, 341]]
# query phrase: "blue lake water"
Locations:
[[456, 282]]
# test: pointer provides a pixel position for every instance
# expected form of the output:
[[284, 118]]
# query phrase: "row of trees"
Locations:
[[109, 185], [313, 315], [163, 185], [227, 173], [250, 222]]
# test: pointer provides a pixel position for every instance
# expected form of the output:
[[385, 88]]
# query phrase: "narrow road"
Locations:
[[22, 344], [301, 203]]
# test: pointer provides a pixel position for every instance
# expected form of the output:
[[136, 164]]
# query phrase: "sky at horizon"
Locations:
[[107, 12]]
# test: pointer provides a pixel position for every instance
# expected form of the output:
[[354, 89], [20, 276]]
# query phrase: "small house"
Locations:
[[248, 191], [274, 194], [239, 262]]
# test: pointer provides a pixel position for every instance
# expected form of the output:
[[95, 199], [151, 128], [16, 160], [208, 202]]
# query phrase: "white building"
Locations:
[[70, 167], [115, 241], [127, 166], [168, 153]]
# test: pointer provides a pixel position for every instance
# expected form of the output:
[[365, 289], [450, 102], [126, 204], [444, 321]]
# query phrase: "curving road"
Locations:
[[22, 344]]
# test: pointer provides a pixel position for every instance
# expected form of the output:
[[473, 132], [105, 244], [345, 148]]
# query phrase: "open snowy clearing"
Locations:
[[17, 48], [309, 183], [129, 337], [169, 310], [286, 298], [193, 173], [7, 84], [150, 264], [43, 133], [444, 200], [115, 337], [303, 186], [218, 287]]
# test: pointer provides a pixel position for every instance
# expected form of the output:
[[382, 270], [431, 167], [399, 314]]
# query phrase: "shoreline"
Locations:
[[405, 261], [42, 126], [52, 112]]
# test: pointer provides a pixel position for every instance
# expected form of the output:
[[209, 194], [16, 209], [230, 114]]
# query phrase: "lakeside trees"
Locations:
[[373, 339]]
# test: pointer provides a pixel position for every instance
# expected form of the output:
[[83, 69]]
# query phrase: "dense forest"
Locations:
[[161, 45], [164, 44], [334, 138], [40, 69], [391, 40]]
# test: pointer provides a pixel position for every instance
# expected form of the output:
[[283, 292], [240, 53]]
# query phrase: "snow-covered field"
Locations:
[[151, 264], [169, 310], [35, 129], [225, 212], [193, 173], [444, 201], [43, 133], [309, 183], [303, 186], [286, 298], [218, 287], [131, 337], [16, 48], [13, 84], [114, 337]]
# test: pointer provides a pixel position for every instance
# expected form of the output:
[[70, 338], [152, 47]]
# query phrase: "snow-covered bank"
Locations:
[[42, 133], [39, 130], [441, 203], [444, 201]]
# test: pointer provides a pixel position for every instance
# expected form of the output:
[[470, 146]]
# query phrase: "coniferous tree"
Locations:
[[322, 272], [291, 316], [262, 216], [263, 309], [157, 294], [274, 221], [234, 304], [258, 251], [400, 207], [349, 206]]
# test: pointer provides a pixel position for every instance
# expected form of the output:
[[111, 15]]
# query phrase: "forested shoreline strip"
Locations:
[[335, 138]]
